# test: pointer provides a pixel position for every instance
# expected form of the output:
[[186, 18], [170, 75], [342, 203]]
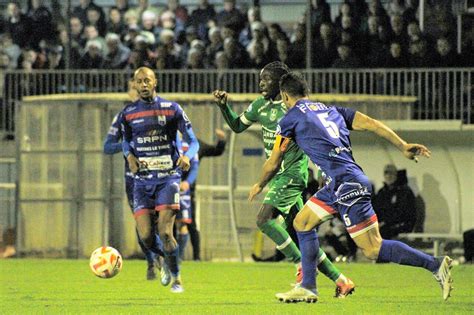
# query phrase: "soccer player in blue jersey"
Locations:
[[113, 145], [149, 127], [184, 216], [323, 134]]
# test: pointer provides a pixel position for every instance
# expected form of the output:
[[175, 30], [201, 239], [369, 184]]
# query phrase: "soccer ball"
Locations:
[[105, 262]]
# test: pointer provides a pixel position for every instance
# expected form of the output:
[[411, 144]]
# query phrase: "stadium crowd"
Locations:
[[124, 36]]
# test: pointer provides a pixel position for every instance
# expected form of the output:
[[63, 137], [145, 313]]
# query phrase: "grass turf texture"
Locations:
[[68, 286]]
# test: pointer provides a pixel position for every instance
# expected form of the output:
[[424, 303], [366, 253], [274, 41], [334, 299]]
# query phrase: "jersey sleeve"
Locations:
[[113, 140], [251, 113], [285, 132], [184, 126], [348, 115], [127, 146]]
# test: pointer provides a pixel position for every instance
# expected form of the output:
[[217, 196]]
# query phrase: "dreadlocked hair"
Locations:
[[277, 68]]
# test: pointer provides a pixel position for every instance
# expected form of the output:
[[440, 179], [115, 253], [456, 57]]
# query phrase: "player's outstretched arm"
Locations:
[[270, 168], [232, 119], [409, 150]]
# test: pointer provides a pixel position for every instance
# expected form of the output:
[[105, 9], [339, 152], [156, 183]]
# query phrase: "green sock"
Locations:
[[326, 266], [283, 240]]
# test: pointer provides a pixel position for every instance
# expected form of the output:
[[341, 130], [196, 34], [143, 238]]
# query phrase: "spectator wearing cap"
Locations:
[[117, 53], [231, 16], [201, 16], [253, 15], [92, 58], [116, 24], [395, 204], [18, 25], [215, 44]]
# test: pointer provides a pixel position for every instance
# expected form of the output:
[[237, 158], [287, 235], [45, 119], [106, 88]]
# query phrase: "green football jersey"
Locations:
[[268, 113]]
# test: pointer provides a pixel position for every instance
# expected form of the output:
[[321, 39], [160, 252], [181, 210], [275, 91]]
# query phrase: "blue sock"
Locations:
[[400, 253], [182, 241], [309, 247], [158, 246], [171, 260]]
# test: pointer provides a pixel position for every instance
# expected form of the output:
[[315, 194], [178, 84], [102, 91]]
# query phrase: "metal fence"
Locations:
[[443, 93]]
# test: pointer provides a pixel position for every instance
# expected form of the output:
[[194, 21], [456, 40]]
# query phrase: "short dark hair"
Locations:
[[276, 68], [294, 84]]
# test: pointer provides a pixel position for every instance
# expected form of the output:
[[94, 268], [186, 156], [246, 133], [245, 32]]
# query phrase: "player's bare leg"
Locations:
[[170, 246], [376, 248]]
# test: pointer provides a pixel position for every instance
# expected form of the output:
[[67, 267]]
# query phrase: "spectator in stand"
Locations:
[[94, 17], [77, 32], [396, 7], [5, 64], [201, 16], [259, 36], [396, 57], [11, 49], [143, 5], [231, 16], [253, 15], [131, 19], [221, 62], [168, 21], [180, 12], [191, 35], [419, 56], [81, 11], [275, 32], [92, 58], [346, 59], [129, 38], [150, 23], [445, 55], [236, 54], [18, 25], [439, 20], [76, 50], [414, 32], [215, 44], [325, 47], [297, 51], [320, 13], [358, 9], [344, 10], [376, 9], [164, 60], [395, 204], [227, 32], [258, 57], [116, 24], [195, 60], [55, 58], [167, 38], [117, 54], [42, 26], [91, 33], [371, 38], [398, 33], [122, 6]]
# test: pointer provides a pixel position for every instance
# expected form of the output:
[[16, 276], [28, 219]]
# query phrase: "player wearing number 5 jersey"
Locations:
[[285, 194], [323, 134], [150, 126]]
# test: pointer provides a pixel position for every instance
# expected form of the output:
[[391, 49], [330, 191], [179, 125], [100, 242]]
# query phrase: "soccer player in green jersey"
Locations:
[[285, 191]]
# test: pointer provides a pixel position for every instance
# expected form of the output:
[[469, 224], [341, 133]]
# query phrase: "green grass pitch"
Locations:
[[29, 286]]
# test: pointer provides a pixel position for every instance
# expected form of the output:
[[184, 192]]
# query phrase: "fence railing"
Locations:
[[442, 93]]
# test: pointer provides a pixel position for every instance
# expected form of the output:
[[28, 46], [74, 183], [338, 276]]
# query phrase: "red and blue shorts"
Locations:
[[351, 201], [159, 196]]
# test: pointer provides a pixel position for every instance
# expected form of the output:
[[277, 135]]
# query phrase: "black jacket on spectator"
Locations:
[[20, 30], [233, 19], [41, 24], [199, 18]]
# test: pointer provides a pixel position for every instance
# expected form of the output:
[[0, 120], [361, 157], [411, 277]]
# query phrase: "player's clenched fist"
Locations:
[[220, 97], [133, 163]]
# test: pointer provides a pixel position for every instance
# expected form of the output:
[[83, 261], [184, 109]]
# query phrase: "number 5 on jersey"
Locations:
[[330, 126]]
